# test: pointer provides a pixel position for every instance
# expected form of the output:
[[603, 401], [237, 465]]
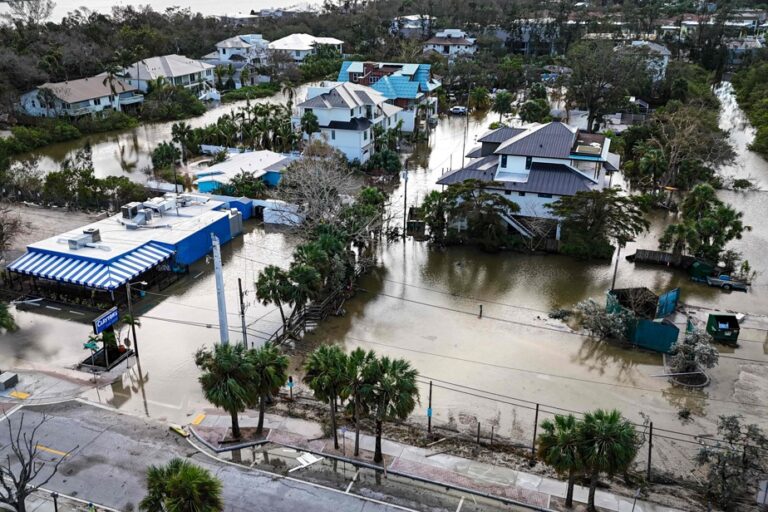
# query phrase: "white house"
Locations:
[[347, 114], [175, 69], [412, 26], [298, 46], [264, 165], [86, 96], [451, 43], [240, 50], [535, 166], [657, 58]]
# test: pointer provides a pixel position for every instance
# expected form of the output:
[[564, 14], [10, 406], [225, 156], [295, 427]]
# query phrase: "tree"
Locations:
[[229, 379], [601, 323], [601, 77], [434, 210], [244, 184], [325, 374], [29, 12], [165, 155], [23, 470], [11, 226], [390, 392], [695, 352], [479, 99], [180, 486], [358, 363], [502, 103], [735, 462], [6, 318], [538, 91], [535, 111], [305, 283], [181, 133], [245, 77], [595, 219], [560, 446], [309, 124], [269, 372], [610, 445], [272, 288]]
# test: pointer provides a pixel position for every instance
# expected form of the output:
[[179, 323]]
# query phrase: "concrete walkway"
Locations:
[[424, 463]]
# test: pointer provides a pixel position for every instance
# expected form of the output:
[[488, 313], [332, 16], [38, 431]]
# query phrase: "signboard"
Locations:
[[107, 319]]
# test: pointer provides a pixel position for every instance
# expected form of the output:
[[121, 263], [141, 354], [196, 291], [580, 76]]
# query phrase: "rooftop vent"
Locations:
[[94, 233]]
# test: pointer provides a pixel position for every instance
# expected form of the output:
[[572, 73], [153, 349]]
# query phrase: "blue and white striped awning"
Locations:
[[107, 276]]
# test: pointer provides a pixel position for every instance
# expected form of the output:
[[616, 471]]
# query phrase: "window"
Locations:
[[521, 194], [97, 101], [298, 53], [507, 192], [528, 162], [307, 110], [34, 104], [503, 160], [333, 134], [351, 112], [545, 196], [365, 135]]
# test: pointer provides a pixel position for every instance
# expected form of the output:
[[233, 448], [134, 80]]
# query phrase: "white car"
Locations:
[[458, 110]]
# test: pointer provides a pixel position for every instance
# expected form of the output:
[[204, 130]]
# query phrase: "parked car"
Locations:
[[433, 119], [459, 110], [726, 283]]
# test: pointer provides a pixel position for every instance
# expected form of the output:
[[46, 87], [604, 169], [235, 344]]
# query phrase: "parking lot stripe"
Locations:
[[51, 450], [198, 419]]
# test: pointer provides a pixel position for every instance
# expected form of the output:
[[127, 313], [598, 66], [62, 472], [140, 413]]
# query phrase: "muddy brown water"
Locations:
[[422, 304]]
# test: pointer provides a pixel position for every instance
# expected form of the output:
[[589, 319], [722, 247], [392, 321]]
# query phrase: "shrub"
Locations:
[[596, 320], [251, 92], [165, 155]]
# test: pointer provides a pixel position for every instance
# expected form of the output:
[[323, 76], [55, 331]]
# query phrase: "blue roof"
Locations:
[[406, 83], [94, 274]]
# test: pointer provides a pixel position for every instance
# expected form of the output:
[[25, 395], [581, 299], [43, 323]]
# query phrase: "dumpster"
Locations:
[[723, 328]]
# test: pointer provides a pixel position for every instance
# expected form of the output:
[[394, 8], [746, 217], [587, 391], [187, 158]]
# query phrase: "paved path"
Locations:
[[108, 454], [520, 486]]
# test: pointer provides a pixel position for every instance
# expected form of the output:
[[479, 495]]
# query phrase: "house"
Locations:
[[174, 69], [536, 36], [87, 96], [147, 241], [408, 86], [240, 50], [347, 114], [741, 50], [535, 166], [657, 57], [299, 46], [264, 165], [412, 26], [451, 43]]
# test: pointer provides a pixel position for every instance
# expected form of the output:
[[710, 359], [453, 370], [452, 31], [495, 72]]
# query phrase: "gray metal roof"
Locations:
[[499, 135], [357, 124], [345, 95], [475, 152], [544, 178], [552, 140]]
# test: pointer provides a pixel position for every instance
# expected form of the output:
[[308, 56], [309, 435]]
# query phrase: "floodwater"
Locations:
[[423, 304]]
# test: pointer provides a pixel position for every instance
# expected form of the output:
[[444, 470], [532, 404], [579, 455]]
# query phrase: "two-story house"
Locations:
[[535, 166], [451, 43], [299, 46], [347, 114], [174, 69], [87, 96], [239, 50], [656, 56], [408, 86]]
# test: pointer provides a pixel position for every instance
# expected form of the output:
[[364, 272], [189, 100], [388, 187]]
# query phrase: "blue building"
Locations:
[[150, 241], [409, 86]]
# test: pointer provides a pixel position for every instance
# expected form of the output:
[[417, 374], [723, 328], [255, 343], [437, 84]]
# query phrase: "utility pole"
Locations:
[[616, 267], [130, 313], [405, 203], [429, 410], [222, 301], [242, 311]]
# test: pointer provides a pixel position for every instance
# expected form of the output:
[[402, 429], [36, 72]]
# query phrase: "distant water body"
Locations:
[[227, 7]]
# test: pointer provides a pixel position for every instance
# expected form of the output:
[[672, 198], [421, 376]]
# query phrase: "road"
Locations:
[[108, 454]]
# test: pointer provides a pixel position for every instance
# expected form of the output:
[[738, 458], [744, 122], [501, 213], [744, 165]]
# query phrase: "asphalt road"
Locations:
[[108, 454]]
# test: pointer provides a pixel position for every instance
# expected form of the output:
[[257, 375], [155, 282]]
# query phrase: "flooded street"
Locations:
[[423, 304]]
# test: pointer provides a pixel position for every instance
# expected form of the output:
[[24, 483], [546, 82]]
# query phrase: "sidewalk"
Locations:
[[520, 486]]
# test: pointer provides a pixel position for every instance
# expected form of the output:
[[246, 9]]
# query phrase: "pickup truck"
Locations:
[[726, 283]]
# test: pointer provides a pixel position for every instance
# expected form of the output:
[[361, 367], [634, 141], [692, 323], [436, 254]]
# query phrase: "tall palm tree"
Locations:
[[306, 283], [181, 486], [560, 447], [325, 375], [272, 287], [181, 133], [357, 363], [111, 70], [390, 392], [270, 369], [610, 445], [502, 103], [228, 379]]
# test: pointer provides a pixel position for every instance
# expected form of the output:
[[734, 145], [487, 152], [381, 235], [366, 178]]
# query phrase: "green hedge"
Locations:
[[250, 92]]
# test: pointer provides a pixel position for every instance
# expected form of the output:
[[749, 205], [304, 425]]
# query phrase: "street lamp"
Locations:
[[130, 312], [55, 497]]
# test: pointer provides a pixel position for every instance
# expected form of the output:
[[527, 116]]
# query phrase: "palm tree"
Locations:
[[305, 285], [309, 124], [272, 287], [290, 92], [111, 71], [479, 98], [270, 369], [560, 447], [325, 375], [390, 392], [181, 486], [610, 445], [181, 133], [228, 379], [502, 103], [6, 319], [357, 363]]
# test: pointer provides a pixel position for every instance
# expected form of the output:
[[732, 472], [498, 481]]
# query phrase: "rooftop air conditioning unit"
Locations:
[[130, 210], [79, 241], [93, 233]]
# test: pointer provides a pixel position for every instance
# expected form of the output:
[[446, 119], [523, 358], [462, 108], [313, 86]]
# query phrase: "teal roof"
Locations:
[[407, 83]]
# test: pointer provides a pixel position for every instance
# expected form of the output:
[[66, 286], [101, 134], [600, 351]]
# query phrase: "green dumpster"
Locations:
[[723, 328]]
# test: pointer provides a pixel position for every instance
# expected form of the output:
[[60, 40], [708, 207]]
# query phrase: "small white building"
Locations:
[[412, 26], [264, 165], [451, 43], [175, 69], [657, 57], [299, 46], [240, 50], [74, 98], [347, 114]]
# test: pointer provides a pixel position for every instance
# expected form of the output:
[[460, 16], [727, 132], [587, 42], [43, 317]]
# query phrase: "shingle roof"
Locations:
[[499, 135], [75, 91], [552, 140], [167, 66], [544, 178], [450, 41], [234, 42]]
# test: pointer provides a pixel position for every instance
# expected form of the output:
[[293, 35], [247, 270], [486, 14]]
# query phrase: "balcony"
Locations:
[[132, 99]]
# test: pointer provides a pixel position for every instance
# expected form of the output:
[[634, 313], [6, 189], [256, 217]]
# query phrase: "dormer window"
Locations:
[[503, 160], [528, 162]]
